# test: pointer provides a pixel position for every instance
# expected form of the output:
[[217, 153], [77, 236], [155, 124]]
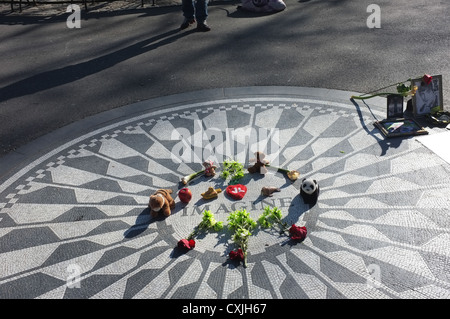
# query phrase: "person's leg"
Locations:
[[187, 6], [201, 13]]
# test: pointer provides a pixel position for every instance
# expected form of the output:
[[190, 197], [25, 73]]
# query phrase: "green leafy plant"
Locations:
[[241, 224], [208, 223], [232, 169], [271, 216]]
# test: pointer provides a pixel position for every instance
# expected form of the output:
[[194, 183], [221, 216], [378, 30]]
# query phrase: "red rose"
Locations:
[[427, 79], [237, 255], [186, 244], [297, 233]]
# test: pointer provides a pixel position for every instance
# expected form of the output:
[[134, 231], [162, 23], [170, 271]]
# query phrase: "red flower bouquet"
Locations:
[[186, 244], [237, 255], [297, 233]]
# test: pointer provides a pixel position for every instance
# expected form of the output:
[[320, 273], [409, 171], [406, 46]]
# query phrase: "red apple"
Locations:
[[185, 195]]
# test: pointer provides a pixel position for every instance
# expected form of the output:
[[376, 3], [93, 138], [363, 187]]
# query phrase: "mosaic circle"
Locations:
[[75, 223]]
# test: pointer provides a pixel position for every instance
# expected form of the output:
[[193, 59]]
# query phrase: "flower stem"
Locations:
[[193, 234], [189, 178], [244, 250], [279, 169], [373, 95]]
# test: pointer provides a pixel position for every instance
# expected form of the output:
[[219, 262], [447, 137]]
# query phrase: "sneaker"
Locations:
[[186, 23], [203, 27]]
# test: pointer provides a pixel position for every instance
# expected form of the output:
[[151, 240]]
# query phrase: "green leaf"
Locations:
[[218, 226], [276, 212], [232, 169], [402, 88], [270, 216], [208, 222], [241, 224]]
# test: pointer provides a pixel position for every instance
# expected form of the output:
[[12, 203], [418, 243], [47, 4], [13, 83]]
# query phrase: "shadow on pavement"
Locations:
[[57, 77]]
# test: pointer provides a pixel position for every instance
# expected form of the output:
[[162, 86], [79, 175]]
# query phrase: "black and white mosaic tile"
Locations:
[[74, 223]]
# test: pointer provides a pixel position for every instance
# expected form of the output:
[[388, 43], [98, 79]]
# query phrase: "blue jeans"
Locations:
[[195, 8]]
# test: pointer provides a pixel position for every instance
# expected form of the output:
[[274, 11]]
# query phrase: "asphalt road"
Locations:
[[52, 75]]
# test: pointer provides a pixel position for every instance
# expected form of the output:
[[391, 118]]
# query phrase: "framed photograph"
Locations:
[[400, 127], [394, 106], [428, 96]]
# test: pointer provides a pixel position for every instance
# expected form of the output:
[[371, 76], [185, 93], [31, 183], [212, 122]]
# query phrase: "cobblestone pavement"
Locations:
[[74, 221]]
